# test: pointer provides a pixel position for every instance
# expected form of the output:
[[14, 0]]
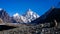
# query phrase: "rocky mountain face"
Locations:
[[19, 18], [16, 18], [4, 16], [49, 17], [27, 17], [30, 15]]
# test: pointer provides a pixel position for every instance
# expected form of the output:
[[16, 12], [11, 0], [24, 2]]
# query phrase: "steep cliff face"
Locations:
[[49, 16], [4, 16]]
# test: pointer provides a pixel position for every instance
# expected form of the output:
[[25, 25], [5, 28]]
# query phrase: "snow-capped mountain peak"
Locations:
[[27, 17], [19, 18], [31, 15], [29, 12], [16, 14]]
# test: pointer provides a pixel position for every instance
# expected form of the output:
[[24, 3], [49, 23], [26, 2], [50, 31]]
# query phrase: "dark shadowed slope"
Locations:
[[49, 17]]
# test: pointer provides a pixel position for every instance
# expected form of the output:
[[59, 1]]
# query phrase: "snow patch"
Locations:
[[16, 14]]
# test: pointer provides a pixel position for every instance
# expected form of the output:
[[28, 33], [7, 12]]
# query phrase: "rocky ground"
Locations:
[[31, 29]]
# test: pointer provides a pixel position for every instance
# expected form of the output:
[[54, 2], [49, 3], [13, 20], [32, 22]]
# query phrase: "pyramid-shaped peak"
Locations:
[[29, 10], [31, 13]]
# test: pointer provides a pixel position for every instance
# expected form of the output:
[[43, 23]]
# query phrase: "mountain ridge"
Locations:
[[52, 15], [27, 17]]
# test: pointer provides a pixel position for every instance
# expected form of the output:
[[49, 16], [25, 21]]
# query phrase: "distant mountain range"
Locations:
[[31, 17], [16, 18], [27, 17]]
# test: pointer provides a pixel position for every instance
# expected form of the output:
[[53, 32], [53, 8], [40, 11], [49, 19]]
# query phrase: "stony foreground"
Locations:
[[32, 29]]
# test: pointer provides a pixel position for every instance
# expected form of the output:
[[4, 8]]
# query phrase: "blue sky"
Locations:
[[21, 6]]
